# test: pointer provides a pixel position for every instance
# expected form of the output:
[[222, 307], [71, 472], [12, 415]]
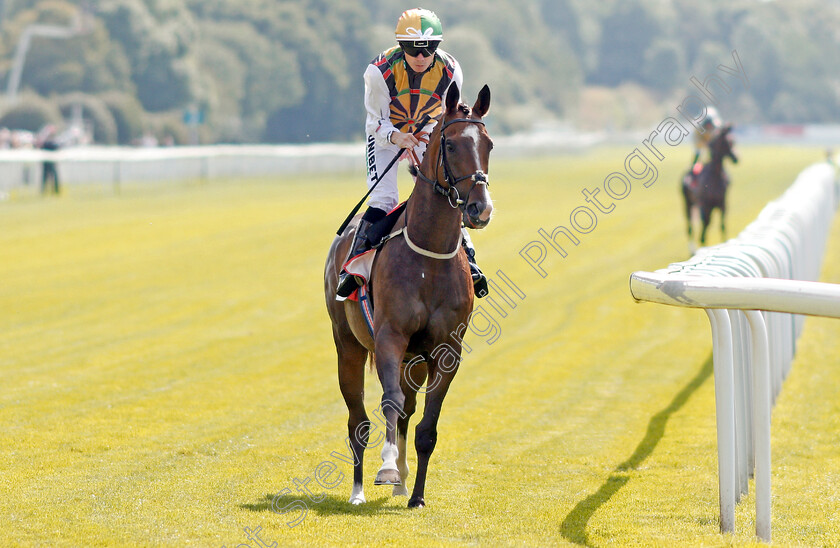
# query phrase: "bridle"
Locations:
[[450, 192]]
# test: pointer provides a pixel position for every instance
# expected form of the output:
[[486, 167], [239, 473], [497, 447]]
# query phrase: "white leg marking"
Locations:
[[402, 466], [358, 494], [389, 457]]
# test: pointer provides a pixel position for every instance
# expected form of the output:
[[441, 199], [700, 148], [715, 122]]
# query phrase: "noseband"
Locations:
[[450, 192]]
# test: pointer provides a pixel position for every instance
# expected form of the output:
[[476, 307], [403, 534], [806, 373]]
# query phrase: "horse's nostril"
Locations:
[[473, 211]]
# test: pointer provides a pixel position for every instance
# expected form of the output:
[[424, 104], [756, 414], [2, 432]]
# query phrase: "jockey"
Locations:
[[703, 136], [402, 85]]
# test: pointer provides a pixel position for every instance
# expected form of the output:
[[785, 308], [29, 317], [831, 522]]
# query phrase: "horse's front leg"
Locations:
[[390, 349], [705, 218], [412, 378], [686, 190], [425, 437]]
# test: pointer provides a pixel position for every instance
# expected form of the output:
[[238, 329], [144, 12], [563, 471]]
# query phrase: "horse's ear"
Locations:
[[482, 104], [453, 95]]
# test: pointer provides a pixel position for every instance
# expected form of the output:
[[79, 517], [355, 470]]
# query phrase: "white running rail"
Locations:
[[769, 267], [114, 165]]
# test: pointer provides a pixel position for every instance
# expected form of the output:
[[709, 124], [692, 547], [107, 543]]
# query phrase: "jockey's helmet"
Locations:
[[712, 118], [419, 25]]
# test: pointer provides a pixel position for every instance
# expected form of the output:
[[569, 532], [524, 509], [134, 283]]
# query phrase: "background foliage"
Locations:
[[290, 70]]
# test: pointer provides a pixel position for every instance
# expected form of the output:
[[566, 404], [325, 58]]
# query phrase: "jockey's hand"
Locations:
[[404, 140]]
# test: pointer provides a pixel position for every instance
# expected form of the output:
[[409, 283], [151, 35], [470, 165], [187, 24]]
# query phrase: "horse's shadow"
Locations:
[[327, 505]]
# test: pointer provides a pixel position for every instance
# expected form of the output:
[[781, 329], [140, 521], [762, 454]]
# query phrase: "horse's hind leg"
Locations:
[[687, 198], [693, 214], [351, 380], [689, 215], [412, 379]]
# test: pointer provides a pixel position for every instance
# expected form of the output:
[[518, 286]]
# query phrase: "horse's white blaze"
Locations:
[[402, 466], [390, 452], [472, 132], [358, 494]]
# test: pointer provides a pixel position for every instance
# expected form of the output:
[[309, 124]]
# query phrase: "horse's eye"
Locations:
[[450, 147]]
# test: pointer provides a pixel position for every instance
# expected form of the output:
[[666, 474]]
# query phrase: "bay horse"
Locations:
[[706, 191], [423, 299]]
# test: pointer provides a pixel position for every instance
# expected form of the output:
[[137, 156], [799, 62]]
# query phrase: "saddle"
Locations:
[[361, 265], [693, 176]]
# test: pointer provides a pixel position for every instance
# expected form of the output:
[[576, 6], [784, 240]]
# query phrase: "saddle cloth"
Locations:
[[361, 264]]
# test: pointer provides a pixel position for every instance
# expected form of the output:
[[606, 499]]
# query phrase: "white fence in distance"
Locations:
[[120, 164], [769, 267], [116, 165]]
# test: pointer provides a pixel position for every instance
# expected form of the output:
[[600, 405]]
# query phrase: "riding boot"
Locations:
[[347, 283], [478, 277]]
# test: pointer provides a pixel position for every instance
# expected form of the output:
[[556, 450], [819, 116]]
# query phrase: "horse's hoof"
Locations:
[[400, 491], [388, 477], [357, 500], [417, 502]]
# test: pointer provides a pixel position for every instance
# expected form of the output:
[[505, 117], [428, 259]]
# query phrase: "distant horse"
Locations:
[[706, 191], [423, 298]]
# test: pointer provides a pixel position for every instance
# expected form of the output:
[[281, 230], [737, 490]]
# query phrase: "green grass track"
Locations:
[[167, 368]]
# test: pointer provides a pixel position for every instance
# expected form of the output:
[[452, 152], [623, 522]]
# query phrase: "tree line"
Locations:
[[290, 70]]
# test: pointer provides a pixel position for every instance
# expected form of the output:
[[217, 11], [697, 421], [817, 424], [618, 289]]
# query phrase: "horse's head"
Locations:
[[462, 147], [722, 144]]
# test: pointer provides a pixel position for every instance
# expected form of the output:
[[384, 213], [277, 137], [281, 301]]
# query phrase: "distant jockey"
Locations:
[[702, 136]]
